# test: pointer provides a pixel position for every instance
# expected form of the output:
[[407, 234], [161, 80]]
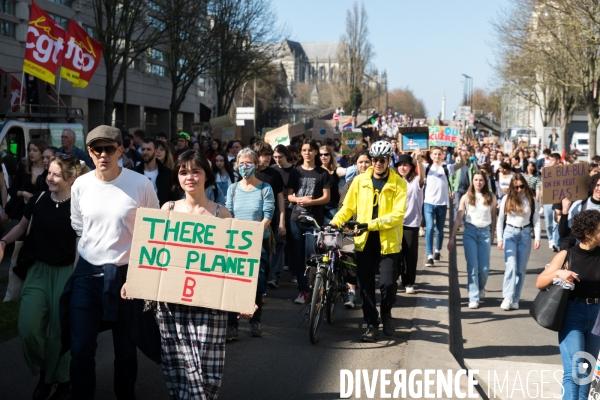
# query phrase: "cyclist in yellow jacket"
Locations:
[[378, 199]]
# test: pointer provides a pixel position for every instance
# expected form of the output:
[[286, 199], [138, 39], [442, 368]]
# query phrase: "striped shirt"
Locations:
[[255, 205], [534, 182]]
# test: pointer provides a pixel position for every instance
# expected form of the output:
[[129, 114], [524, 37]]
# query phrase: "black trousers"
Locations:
[[409, 255], [370, 261]]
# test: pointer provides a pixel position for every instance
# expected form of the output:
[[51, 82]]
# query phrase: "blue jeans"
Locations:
[[86, 313], [517, 248], [303, 249], [551, 226], [439, 213], [574, 336], [477, 245]]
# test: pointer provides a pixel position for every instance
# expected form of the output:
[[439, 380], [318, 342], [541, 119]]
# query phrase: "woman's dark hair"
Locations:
[[505, 165], [197, 159], [585, 224], [226, 164], [41, 146], [52, 148], [592, 182], [535, 171], [313, 145]]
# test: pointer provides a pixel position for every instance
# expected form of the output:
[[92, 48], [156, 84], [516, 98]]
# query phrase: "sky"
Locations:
[[425, 45]]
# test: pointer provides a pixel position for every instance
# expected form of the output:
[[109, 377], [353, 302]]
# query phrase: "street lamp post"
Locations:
[[468, 91]]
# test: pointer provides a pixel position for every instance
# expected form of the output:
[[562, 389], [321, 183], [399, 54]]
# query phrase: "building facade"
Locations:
[[148, 88]]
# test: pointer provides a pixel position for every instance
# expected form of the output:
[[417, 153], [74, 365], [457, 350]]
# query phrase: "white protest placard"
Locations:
[[195, 260], [278, 136], [323, 129]]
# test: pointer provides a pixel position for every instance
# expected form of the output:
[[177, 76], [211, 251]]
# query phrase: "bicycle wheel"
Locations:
[[333, 296], [315, 319]]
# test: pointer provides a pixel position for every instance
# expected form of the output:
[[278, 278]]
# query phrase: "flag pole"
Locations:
[[58, 91], [21, 94]]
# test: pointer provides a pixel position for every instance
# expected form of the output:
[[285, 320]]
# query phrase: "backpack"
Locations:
[[446, 172]]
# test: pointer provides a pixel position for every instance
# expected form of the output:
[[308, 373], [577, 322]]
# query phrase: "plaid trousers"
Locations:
[[193, 350]]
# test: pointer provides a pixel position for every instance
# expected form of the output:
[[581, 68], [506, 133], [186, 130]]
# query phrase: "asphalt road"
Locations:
[[283, 364]]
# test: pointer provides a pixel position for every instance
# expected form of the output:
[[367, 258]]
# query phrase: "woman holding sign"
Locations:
[[193, 338], [518, 214]]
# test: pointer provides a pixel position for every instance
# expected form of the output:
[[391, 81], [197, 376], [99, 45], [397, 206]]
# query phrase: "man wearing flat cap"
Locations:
[[103, 208]]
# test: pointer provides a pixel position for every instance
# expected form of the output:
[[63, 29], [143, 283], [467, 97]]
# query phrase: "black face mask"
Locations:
[[126, 142]]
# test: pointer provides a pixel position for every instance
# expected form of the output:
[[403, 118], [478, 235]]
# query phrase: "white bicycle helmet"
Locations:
[[381, 149]]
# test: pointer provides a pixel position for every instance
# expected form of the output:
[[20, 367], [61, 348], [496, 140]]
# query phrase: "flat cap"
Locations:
[[104, 132]]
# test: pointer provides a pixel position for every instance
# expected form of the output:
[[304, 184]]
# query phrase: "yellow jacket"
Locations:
[[392, 206]]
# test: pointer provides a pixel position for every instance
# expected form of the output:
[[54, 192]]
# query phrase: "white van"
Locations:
[[580, 141], [38, 122]]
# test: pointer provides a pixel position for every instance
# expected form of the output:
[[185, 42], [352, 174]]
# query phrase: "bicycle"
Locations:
[[328, 272]]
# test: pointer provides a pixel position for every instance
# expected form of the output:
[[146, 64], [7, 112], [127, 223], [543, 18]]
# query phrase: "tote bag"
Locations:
[[548, 308]]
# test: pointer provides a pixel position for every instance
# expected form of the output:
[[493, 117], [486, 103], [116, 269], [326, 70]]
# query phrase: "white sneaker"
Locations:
[[473, 304], [410, 290], [481, 294], [550, 245], [506, 304], [421, 232], [514, 305]]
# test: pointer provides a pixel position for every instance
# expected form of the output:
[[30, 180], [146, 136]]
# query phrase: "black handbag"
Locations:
[[548, 308]]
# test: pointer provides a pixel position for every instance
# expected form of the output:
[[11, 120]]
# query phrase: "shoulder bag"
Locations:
[[548, 308]]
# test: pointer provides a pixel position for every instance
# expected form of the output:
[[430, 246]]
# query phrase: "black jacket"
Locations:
[[163, 182]]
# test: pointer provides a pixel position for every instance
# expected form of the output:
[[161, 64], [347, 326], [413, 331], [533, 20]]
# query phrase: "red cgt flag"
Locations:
[[45, 47], [82, 57]]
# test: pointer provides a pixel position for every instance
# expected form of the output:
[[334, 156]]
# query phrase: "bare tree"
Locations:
[[189, 48], [126, 29], [355, 51], [243, 32], [405, 101]]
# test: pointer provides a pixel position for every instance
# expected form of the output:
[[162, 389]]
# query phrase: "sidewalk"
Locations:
[[509, 344]]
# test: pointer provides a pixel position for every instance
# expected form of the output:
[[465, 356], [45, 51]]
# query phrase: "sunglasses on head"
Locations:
[[98, 150], [66, 157]]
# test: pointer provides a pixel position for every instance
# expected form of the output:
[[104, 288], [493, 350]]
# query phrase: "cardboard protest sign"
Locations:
[[323, 129], [224, 120], [443, 136], [350, 142], [412, 138], [297, 130], [279, 135], [564, 182], [231, 133], [195, 260]]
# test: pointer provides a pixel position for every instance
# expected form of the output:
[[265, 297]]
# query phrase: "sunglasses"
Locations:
[[519, 187], [378, 160], [66, 157], [245, 164], [98, 150], [324, 155]]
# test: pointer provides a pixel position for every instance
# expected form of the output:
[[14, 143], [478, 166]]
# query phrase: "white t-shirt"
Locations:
[[437, 185], [414, 203], [103, 214], [152, 176], [496, 164]]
